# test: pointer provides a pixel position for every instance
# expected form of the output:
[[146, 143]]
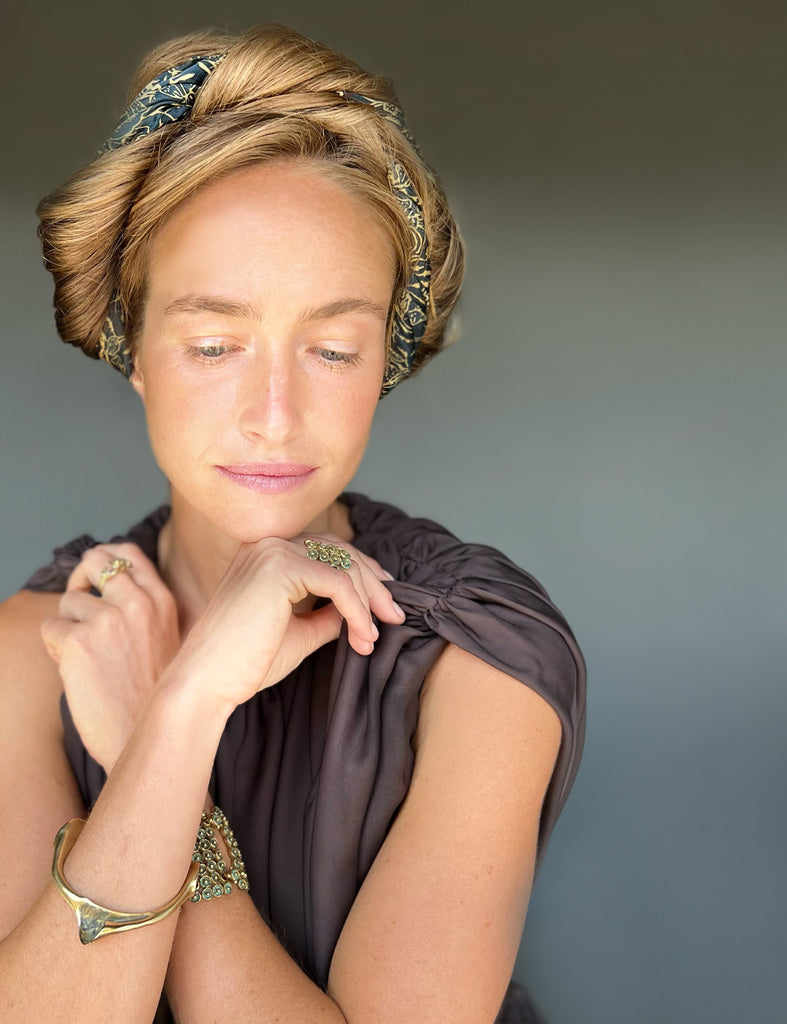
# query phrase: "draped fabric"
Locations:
[[312, 771]]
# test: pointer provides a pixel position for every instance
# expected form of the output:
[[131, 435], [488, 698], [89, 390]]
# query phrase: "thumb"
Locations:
[[52, 634], [319, 628]]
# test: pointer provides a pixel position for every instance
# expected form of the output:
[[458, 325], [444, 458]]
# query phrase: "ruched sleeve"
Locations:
[[474, 597]]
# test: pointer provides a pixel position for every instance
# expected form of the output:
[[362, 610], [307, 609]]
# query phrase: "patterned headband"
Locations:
[[169, 97]]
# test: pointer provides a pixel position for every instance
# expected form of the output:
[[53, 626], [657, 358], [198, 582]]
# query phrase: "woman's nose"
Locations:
[[271, 399]]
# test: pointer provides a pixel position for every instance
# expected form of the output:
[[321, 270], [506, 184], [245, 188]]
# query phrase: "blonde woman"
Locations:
[[299, 752]]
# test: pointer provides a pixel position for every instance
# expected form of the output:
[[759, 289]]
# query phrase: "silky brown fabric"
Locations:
[[312, 771]]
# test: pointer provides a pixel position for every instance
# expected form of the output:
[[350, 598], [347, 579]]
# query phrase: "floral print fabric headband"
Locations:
[[169, 97]]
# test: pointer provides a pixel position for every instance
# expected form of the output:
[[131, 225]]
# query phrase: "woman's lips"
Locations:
[[269, 477]]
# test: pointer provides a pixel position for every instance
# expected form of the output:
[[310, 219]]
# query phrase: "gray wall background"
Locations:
[[613, 418]]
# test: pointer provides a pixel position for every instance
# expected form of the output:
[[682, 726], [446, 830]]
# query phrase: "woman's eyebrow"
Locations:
[[211, 304], [339, 306], [242, 310]]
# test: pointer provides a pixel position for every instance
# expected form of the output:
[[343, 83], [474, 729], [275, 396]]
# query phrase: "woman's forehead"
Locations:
[[267, 234]]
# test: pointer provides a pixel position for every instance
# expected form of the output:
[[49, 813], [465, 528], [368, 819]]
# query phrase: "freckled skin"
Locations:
[[259, 376]]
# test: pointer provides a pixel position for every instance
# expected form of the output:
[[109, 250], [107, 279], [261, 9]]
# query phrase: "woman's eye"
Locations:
[[208, 352], [332, 355]]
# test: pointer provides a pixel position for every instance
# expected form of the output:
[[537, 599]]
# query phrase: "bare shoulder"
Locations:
[[25, 665], [468, 705], [37, 788], [485, 750]]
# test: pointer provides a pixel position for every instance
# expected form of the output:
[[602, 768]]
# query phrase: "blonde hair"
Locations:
[[273, 96]]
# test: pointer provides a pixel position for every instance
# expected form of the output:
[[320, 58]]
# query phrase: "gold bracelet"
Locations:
[[215, 878], [95, 921]]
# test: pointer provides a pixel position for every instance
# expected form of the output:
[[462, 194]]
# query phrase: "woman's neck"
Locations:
[[193, 556], [191, 562]]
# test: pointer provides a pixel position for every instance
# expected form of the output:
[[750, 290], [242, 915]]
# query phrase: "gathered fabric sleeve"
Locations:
[[473, 596]]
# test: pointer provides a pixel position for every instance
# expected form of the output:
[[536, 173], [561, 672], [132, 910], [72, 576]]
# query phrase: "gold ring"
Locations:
[[116, 566], [330, 554]]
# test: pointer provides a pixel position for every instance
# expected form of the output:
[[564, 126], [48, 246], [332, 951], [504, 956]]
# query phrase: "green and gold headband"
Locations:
[[170, 97]]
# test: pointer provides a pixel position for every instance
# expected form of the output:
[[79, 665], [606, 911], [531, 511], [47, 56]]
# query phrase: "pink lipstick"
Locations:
[[268, 477]]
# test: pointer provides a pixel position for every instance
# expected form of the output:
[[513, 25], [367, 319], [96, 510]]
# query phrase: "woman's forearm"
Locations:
[[133, 854], [226, 964]]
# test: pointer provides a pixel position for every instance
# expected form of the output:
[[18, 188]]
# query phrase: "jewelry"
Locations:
[[169, 97], [116, 566], [331, 554], [94, 920], [411, 312], [215, 878]]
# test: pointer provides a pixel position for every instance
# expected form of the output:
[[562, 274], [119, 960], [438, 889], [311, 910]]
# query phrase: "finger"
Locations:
[[375, 594], [119, 587], [54, 632], [374, 566], [319, 628], [359, 556], [78, 605], [369, 575], [379, 597], [340, 588], [86, 575], [359, 575]]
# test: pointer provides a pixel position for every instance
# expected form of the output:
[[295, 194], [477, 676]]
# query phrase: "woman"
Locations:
[[326, 693]]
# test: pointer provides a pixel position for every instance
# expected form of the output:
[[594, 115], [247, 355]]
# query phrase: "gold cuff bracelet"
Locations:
[[95, 921]]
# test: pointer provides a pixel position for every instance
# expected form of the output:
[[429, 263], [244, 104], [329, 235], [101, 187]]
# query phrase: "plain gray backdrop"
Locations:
[[613, 418]]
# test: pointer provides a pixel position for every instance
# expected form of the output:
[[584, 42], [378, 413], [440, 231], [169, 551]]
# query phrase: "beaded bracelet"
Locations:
[[215, 878]]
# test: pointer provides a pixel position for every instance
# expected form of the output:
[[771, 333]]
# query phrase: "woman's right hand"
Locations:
[[250, 636]]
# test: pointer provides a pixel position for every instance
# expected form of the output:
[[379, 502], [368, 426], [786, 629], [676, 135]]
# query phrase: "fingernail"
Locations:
[[398, 609], [375, 631], [388, 576]]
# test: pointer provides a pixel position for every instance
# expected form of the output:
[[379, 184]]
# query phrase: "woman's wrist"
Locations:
[[183, 693]]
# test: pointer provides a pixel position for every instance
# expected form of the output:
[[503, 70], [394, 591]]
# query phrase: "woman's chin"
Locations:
[[250, 526]]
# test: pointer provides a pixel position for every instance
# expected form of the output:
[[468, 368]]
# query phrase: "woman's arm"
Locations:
[[136, 848], [433, 934], [434, 931], [37, 789], [133, 854]]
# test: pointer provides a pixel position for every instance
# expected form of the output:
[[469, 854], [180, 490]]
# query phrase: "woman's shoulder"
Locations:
[[482, 603], [29, 679], [21, 616], [422, 553], [414, 541]]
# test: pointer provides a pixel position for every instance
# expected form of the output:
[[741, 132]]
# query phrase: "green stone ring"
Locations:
[[331, 554]]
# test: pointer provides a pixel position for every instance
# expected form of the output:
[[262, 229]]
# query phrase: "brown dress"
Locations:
[[312, 771]]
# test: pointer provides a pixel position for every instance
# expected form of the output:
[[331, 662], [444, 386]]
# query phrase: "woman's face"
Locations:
[[262, 350]]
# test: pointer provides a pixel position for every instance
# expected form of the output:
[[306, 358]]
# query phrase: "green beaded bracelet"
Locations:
[[215, 879]]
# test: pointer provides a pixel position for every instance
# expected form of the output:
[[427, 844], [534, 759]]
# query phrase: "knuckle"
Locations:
[[77, 642], [48, 631], [168, 604], [96, 555], [129, 550], [273, 553], [137, 602], [345, 582], [108, 618], [93, 559]]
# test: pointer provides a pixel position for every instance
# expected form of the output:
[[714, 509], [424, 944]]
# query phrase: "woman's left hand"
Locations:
[[111, 650]]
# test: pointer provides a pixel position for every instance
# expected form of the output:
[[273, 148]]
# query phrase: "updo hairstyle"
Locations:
[[273, 96]]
